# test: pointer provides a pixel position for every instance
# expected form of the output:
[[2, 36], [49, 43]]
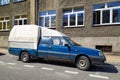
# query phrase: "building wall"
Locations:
[[10, 10], [87, 35], [92, 42], [45, 5], [88, 30]]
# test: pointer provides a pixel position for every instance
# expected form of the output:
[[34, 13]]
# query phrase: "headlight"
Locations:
[[101, 53]]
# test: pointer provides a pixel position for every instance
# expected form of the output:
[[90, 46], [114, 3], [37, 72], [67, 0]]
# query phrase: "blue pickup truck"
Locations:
[[31, 41]]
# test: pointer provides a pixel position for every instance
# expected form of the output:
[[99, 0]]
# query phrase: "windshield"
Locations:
[[72, 42]]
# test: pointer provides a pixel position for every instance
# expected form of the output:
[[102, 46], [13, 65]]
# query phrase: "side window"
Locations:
[[59, 41], [55, 41], [63, 42], [45, 40]]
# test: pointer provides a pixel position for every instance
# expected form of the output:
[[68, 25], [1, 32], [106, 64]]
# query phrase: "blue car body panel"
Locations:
[[17, 51], [65, 53]]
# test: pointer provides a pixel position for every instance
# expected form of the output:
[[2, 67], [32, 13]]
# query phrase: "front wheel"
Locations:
[[25, 57], [83, 63]]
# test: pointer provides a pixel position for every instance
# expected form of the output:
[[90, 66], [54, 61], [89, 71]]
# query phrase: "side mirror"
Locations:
[[66, 45]]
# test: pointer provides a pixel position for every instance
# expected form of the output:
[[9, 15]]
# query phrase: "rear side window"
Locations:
[[45, 40]]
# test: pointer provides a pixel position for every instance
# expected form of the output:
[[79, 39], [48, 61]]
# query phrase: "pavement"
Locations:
[[110, 58]]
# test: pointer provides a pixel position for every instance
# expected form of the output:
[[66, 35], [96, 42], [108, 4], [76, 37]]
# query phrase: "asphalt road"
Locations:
[[12, 69]]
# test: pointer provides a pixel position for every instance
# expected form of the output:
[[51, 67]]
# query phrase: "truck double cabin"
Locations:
[[32, 41]]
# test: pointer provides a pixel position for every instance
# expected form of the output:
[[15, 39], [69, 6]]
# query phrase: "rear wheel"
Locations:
[[83, 63], [25, 57]]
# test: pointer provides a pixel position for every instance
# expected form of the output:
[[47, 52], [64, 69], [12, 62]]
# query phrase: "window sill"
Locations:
[[19, 1], [82, 26], [99, 25], [50, 27], [5, 4], [4, 30]]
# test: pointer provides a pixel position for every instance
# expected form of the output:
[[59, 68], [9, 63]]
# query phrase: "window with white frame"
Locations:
[[4, 2], [17, 0], [73, 17], [4, 23], [47, 19], [106, 13], [20, 19]]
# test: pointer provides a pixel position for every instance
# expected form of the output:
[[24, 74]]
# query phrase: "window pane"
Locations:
[[8, 25], [99, 6], [106, 16], [4, 25], [80, 19], [25, 21], [51, 12], [20, 22], [41, 23], [15, 22], [114, 4], [17, 17], [96, 17], [3, 2], [67, 10], [7, 18], [78, 9], [1, 19], [47, 22], [116, 15], [0, 2], [65, 20], [24, 16], [42, 13], [53, 21], [72, 20], [45, 40], [0, 25], [47, 18], [63, 42], [56, 41]]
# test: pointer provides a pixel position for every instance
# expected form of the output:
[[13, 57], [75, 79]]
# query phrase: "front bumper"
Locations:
[[97, 60]]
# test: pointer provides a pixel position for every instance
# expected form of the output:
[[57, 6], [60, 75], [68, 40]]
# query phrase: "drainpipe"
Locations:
[[32, 12], [36, 12]]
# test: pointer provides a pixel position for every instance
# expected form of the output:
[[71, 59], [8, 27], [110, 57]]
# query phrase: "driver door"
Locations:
[[58, 50]]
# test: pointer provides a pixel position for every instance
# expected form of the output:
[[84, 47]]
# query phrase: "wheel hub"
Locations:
[[82, 63], [25, 57]]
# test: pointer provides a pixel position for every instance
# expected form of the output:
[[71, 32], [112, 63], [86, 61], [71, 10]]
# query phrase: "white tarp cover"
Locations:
[[27, 36], [50, 32], [24, 36]]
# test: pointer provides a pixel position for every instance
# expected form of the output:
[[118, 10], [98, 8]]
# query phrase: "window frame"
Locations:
[[6, 23], [20, 18], [44, 16], [111, 9], [76, 13]]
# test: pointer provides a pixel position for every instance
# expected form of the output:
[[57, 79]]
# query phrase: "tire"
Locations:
[[25, 57], [83, 63]]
